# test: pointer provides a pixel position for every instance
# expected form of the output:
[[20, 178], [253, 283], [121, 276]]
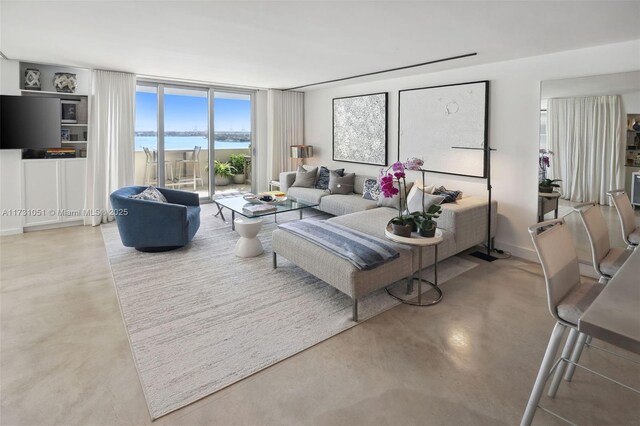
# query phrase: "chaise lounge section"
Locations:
[[463, 225]]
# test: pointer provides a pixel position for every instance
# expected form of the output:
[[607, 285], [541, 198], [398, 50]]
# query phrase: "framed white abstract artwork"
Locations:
[[446, 126]]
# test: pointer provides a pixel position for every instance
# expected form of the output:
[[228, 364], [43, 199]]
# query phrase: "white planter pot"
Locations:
[[238, 179], [222, 181]]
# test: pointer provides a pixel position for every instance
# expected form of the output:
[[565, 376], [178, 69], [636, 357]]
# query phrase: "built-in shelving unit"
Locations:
[[72, 134]]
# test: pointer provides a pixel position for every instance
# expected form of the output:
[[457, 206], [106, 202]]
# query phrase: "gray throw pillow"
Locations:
[[151, 194], [371, 190], [305, 178], [450, 195], [323, 177], [341, 184]]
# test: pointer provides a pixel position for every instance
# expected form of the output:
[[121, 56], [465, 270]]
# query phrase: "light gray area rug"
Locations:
[[199, 318]]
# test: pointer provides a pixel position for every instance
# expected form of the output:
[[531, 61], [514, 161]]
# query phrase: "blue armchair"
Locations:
[[153, 226]]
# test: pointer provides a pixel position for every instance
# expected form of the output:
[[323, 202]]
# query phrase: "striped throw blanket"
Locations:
[[362, 250]]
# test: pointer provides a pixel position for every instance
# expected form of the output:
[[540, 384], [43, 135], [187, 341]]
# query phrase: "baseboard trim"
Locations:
[[53, 226], [10, 231], [526, 253]]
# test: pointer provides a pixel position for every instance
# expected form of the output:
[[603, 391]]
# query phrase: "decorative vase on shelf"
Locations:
[[65, 82], [401, 230], [32, 79]]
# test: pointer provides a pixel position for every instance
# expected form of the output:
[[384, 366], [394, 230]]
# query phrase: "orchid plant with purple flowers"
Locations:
[[389, 189], [423, 220]]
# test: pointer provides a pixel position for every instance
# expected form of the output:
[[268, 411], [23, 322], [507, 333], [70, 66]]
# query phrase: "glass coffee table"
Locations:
[[236, 205]]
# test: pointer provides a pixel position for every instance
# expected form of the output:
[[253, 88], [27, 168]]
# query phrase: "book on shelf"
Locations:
[[257, 209]]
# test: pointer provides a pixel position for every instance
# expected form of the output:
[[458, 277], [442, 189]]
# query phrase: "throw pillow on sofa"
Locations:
[[323, 177], [393, 202], [151, 194], [305, 178], [371, 189], [450, 195], [414, 200], [428, 189], [341, 184]]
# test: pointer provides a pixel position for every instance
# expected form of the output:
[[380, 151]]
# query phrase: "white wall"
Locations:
[[514, 102], [631, 103], [9, 77]]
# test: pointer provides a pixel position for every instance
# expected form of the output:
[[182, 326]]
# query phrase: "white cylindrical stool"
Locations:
[[248, 245]]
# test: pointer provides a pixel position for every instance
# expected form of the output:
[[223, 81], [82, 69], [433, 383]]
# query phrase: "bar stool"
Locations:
[[607, 260], [195, 161], [630, 231], [151, 162], [568, 296]]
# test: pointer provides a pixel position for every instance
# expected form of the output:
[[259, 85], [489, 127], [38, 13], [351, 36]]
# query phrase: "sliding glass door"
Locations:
[[232, 141], [192, 138], [186, 139]]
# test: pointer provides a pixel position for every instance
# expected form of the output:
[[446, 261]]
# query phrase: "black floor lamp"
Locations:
[[487, 158]]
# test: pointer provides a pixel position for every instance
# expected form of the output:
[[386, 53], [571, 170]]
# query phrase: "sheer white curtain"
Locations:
[[110, 149], [285, 118], [585, 135]]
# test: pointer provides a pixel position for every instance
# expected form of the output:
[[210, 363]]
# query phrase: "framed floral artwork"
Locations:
[[360, 129]]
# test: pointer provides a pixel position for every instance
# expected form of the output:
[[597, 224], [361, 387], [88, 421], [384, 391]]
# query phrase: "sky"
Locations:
[[188, 113]]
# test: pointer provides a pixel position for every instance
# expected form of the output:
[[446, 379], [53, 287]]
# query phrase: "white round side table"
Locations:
[[248, 245], [420, 242]]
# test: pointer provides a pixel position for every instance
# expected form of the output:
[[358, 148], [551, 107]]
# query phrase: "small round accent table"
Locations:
[[248, 245], [417, 241]]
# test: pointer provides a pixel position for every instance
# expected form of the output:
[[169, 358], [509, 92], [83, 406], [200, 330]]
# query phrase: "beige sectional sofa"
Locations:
[[463, 225]]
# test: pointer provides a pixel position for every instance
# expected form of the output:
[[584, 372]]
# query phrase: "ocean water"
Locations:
[[184, 143]]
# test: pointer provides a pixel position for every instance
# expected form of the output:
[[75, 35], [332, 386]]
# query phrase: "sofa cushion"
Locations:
[[310, 195], [393, 202], [151, 194], [341, 184], [338, 205], [415, 197], [323, 177], [373, 221], [371, 189], [305, 178]]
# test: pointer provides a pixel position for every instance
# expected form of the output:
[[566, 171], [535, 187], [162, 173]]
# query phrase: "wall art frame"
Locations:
[[447, 126], [360, 129]]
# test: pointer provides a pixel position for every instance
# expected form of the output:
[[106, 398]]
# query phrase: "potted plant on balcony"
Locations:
[[223, 171], [546, 185], [237, 162]]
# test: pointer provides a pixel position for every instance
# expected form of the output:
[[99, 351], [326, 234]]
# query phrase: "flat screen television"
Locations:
[[29, 122]]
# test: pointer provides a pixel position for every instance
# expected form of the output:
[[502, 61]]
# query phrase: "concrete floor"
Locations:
[[471, 360]]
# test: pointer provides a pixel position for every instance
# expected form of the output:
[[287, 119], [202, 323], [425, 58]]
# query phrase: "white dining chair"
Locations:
[[607, 260], [568, 296], [630, 231]]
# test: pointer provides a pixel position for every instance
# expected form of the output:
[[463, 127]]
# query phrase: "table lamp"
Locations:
[[301, 152]]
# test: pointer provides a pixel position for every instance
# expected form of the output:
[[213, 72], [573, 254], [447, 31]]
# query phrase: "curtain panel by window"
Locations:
[[585, 135], [285, 126], [110, 149]]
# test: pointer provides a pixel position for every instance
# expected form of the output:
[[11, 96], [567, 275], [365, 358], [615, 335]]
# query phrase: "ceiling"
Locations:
[[287, 44]]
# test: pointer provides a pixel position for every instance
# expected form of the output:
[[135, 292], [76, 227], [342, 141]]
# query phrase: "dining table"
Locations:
[[614, 316]]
